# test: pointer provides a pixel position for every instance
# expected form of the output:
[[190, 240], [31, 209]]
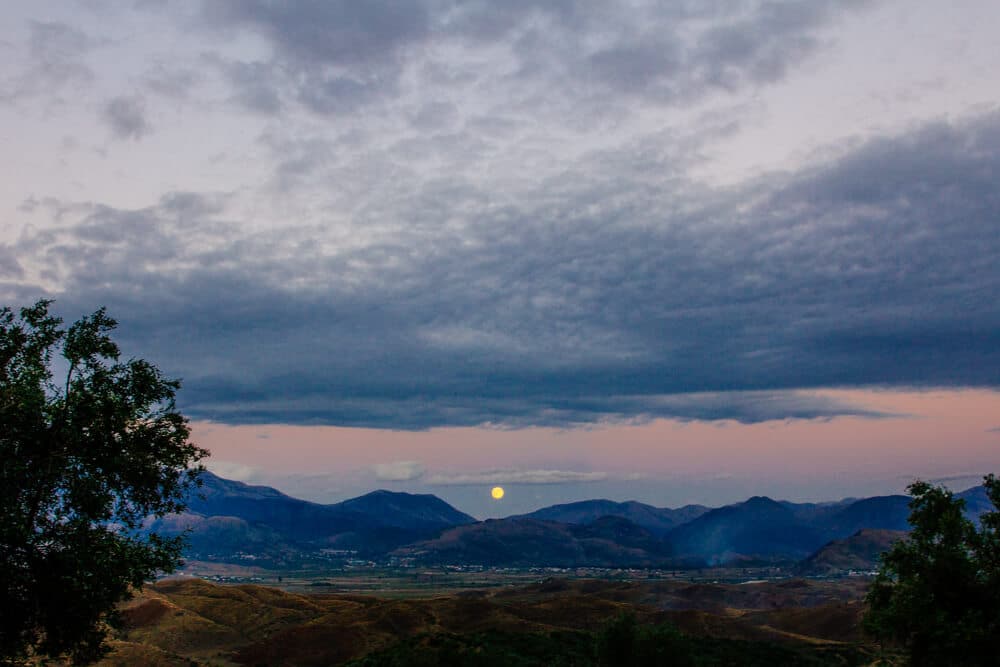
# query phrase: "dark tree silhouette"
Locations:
[[84, 460], [937, 593]]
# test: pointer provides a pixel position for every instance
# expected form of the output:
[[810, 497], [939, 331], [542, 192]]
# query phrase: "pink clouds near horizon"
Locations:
[[929, 434]]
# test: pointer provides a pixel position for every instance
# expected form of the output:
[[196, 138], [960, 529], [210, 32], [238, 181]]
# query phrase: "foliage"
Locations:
[[83, 462], [623, 642], [937, 593]]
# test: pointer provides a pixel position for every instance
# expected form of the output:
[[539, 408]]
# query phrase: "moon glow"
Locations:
[[497, 492]]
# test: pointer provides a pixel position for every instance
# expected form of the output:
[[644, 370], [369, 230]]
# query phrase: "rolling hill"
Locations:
[[188, 621]]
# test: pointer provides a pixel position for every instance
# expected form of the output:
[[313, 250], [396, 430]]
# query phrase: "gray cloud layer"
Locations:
[[466, 212], [335, 56], [598, 295]]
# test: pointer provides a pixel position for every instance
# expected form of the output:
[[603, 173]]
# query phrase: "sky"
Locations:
[[671, 251]]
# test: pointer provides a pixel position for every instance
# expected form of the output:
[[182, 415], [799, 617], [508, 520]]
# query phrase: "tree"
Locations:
[[623, 642], [937, 593], [83, 462]]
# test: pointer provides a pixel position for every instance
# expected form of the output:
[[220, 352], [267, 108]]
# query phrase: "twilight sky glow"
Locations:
[[672, 251]]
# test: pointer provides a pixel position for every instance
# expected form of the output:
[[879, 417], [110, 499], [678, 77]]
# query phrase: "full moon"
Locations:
[[497, 492]]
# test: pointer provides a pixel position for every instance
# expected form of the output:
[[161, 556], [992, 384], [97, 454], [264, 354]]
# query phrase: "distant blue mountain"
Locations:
[[764, 528], [879, 512], [228, 517], [257, 515], [406, 510], [976, 502], [759, 527], [656, 520]]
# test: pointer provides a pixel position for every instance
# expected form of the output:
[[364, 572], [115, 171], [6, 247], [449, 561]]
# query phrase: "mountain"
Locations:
[[657, 520], [859, 552], [222, 534], [757, 528], [226, 517], [880, 512], [976, 502], [297, 520], [813, 511], [407, 510], [764, 528], [609, 541]]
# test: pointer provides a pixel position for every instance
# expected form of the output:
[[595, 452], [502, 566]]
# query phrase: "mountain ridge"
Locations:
[[230, 519], [658, 520]]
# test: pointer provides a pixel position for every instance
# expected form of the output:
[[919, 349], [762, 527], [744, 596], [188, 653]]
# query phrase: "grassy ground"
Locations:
[[188, 621]]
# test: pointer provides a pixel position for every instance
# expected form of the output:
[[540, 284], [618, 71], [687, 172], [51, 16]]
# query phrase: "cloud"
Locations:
[[235, 471], [171, 82], [256, 85], [588, 294], [55, 59], [339, 57], [126, 116], [398, 471], [337, 54], [514, 477], [9, 266], [329, 31]]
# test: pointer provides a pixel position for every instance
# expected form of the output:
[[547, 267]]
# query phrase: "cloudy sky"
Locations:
[[677, 251]]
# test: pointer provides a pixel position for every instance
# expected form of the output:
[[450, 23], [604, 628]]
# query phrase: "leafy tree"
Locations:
[[937, 593], [83, 462]]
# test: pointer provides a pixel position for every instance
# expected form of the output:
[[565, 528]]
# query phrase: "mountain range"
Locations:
[[226, 517], [232, 520]]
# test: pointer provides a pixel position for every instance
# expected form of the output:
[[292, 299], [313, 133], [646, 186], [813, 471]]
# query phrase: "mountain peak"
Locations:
[[762, 501], [758, 504], [213, 485], [407, 509]]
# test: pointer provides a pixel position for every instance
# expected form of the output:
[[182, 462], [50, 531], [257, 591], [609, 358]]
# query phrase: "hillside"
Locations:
[[759, 528], [859, 552], [880, 512], [610, 541], [657, 520], [189, 621]]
